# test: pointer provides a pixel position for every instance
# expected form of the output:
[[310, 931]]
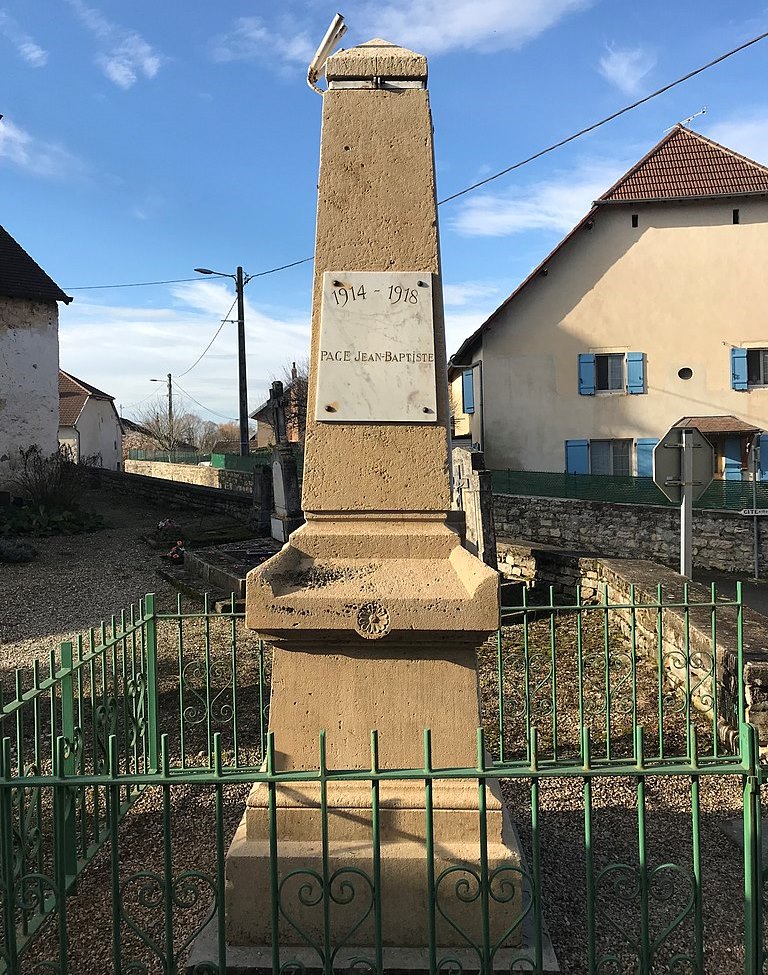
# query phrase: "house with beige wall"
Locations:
[[652, 311], [89, 425], [29, 354]]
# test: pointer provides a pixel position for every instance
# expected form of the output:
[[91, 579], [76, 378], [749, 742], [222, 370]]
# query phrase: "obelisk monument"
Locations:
[[373, 607]]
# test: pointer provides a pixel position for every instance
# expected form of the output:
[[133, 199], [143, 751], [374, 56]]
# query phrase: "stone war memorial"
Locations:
[[374, 609]]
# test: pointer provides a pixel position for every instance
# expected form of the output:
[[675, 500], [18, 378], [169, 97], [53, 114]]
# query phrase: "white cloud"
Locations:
[[555, 204], [36, 156], [26, 47], [626, 67], [126, 55], [249, 39], [466, 293], [120, 348], [437, 26], [746, 133]]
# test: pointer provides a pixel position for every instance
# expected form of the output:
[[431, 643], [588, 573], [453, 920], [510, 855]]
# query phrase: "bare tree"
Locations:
[[167, 433]]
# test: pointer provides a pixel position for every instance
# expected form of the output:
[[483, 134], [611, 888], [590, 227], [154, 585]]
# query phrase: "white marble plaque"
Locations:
[[377, 348]]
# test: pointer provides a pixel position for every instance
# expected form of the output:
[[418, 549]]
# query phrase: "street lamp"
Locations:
[[240, 280], [170, 401]]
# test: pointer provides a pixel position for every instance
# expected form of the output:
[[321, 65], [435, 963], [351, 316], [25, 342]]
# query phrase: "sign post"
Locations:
[[755, 458], [686, 507], [683, 467]]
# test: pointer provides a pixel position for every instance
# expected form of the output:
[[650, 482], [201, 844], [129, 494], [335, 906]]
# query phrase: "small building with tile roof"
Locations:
[[29, 354], [653, 306], [89, 425]]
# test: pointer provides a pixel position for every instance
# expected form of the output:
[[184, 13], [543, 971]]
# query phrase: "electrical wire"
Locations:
[[503, 172], [603, 121], [135, 284], [232, 419], [224, 321], [148, 284]]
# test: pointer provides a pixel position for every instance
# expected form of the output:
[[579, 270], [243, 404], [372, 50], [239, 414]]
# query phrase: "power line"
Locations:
[[140, 401], [502, 172], [603, 121], [135, 284], [148, 284], [224, 321], [202, 405]]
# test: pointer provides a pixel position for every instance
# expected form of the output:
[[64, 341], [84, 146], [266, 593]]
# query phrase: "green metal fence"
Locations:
[[721, 494], [618, 760], [169, 456]]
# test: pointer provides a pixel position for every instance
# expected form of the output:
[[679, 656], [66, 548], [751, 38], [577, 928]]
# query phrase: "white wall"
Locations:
[[100, 434], [29, 377], [682, 287]]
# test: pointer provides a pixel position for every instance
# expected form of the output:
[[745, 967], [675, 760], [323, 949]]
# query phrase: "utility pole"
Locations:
[[241, 376], [169, 379], [170, 408], [240, 280]]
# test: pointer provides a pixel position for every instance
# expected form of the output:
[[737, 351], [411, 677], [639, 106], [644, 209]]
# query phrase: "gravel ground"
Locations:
[[78, 580], [114, 566]]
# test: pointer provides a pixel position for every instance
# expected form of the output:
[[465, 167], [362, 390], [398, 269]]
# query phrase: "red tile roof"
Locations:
[[717, 424], [684, 165], [21, 277], [73, 394]]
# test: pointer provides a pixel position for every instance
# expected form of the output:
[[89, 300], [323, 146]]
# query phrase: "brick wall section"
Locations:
[[722, 540], [174, 494], [192, 474], [571, 572]]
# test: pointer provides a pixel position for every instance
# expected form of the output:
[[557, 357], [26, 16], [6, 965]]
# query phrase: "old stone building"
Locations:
[[29, 354], [650, 312]]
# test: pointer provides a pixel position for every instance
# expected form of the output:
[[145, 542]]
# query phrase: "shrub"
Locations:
[[42, 520], [12, 550], [45, 481]]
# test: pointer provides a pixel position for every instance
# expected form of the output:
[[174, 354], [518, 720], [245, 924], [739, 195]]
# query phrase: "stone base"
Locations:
[[404, 889], [257, 960]]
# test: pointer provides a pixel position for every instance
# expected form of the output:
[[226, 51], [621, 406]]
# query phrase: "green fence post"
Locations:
[[7, 872], [153, 731], [72, 745]]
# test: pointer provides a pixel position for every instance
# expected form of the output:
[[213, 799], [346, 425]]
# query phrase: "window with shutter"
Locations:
[[635, 372], [645, 447], [739, 369], [586, 374], [577, 456], [468, 391]]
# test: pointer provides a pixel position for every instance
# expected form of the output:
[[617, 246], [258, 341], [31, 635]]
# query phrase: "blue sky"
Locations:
[[142, 140]]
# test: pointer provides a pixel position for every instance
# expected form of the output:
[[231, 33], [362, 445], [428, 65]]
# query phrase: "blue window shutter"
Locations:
[[468, 391], [586, 376], [763, 468], [577, 456], [645, 447], [739, 369], [635, 372], [732, 454]]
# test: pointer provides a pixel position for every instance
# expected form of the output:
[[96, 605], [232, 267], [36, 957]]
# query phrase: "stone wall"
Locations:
[[237, 504], [722, 540], [214, 477], [29, 377], [569, 574]]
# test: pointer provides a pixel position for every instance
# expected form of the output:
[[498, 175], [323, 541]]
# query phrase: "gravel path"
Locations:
[[78, 580]]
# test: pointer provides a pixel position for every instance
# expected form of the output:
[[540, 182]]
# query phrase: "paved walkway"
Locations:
[[754, 594]]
